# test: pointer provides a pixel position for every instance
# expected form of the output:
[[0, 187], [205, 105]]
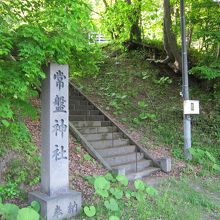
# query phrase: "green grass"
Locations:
[[189, 198], [22, 162], [147, 100], [175, 198]]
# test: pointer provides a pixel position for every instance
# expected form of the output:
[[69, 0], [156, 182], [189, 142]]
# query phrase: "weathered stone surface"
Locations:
[[54, 127], [55, 196], [132, 166], [106, 141], [146, 172], [62, 206], [165, 164]]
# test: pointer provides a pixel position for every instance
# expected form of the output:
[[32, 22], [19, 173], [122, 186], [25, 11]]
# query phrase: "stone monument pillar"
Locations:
[[57, 201]]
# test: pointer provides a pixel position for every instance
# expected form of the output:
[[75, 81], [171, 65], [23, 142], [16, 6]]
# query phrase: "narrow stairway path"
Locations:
[[105, 141]]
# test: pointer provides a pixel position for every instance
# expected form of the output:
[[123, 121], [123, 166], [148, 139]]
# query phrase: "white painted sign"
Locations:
[[191, 107]]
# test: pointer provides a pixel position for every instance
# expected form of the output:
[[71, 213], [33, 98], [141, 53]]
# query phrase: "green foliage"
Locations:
[[144, 116], [101, 186], [122, 179], [78, 149], [151, 191], [205, 158], [111, 204], [163, 81], [89, 211], [36, 206], [23, 166], [34, 33], [117, 20], [87, 157], [27, 214], [172, 200], [118, 199], [114, 218], [118, 101], [202, 25], [207, 72], [142, 104], [193, 193], [139, 185], [119, 17], [116, 193], [203, 18], [10, 211], [9, 190], [156, 110]]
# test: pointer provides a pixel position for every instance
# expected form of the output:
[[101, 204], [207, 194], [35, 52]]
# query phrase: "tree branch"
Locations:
[[105, 3]]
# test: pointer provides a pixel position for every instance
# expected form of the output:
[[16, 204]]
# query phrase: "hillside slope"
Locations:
[[146, 100]]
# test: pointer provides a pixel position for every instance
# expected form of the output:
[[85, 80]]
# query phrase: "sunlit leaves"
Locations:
[[122, 179], [139, 185], [111, 204], [90, 211], [118, 20], [118, 196], [32, 34], [101, 186]]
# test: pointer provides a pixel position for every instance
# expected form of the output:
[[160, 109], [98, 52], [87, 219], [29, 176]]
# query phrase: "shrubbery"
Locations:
[[32, 34]]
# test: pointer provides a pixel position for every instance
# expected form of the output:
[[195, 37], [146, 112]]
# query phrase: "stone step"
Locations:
[[73, 90], [112, 145], [103, 136], [91, 123], [109, 143], [78, 102], [131, 166], [142, 173], [125, 158], [86, 117], [84, 112], [73, 93], [97, 130], [106, 123], [76, 97], [108, 152], [74, 107]]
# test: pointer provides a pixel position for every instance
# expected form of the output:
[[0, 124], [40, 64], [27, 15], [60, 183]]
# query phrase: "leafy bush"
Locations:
[[22, 160], [117, 20], [33, 33], [10, 211], [205, 71], [205, 158], [114, 199]]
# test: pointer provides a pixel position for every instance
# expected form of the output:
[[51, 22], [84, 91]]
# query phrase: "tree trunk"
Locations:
[[189, 37], [105, 3], [135, 31], [218, 51], [170, 43]]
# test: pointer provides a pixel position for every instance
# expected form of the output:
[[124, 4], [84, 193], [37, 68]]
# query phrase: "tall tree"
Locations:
[[169, 38], [122, 19], [135, 30]]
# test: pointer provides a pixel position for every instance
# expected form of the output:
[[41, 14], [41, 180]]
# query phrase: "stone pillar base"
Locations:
[[57, 207]]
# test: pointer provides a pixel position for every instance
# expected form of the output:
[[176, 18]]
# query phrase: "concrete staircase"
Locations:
[[105, 140]]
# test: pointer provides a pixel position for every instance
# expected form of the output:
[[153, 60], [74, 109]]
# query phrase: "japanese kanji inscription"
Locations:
[[57, 201]]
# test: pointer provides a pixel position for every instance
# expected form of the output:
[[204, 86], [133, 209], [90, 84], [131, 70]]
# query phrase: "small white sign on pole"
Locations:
[[191, 107]]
